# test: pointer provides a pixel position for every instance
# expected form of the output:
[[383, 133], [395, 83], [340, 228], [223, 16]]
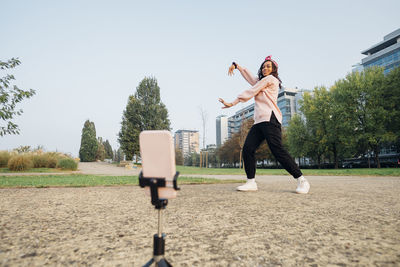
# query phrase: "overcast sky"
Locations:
[[84, 58]]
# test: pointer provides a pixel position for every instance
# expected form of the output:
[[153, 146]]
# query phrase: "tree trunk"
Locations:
[[376, 152], [240, 159], [319, 161], [201, 157], [335, 157]]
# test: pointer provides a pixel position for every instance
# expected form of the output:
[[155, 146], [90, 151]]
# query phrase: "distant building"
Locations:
[[287, 104], [235, 121], [299, 98], [222, 129], [358, 67], [187, 141], [384, 54], [211, 147]]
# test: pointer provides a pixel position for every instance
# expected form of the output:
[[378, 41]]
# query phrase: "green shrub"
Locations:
[[40, 161], [20, 163], [52, 159], [4, 158], [67, 164]]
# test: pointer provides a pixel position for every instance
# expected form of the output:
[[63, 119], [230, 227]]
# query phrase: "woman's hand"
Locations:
[[231, 69], [226, 105]]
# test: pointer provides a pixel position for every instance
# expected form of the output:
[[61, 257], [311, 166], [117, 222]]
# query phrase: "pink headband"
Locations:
[[273, 61]]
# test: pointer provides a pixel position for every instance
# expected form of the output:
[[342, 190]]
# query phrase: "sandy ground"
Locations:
[[343, 221]]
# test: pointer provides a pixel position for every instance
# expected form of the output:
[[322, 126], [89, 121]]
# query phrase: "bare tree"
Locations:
[[203, 115]]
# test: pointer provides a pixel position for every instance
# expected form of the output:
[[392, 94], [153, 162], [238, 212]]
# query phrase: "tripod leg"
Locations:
[[163, 263], [148, 264]]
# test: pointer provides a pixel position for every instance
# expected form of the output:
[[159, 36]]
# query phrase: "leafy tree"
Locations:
[[362, 97], [212, 157], [108, 150], [178, 156], [229, 152], [101, 152], [391, 104], [192, 159], [315, 123], [9, 98], [89, 144], [335, 128], [297, 137], [144, 111], [325, 134]]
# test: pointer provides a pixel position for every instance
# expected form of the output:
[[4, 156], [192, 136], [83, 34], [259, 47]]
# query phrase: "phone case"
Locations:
[[158, 160]]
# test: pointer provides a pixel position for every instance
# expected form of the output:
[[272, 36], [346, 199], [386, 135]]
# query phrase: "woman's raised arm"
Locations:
[[250, 78]]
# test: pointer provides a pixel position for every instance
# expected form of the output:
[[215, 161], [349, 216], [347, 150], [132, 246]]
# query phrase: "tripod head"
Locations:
[[155, 184]]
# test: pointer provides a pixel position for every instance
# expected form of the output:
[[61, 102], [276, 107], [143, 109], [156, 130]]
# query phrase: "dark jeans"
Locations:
[[270, 131]]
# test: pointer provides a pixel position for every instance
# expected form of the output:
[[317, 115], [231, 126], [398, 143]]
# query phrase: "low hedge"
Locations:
[[67, 164]]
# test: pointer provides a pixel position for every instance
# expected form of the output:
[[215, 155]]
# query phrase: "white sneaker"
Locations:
[[303, 186], [250, 185]]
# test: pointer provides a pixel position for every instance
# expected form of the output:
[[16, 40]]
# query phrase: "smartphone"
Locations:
[[158, 160]]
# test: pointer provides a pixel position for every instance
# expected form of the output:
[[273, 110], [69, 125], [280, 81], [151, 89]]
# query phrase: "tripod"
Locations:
[[160, 204]]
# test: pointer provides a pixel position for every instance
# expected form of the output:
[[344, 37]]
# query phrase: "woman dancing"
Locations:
[[267, 123]]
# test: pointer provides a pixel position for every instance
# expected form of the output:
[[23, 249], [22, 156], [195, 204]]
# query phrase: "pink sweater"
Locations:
[[265, 93]]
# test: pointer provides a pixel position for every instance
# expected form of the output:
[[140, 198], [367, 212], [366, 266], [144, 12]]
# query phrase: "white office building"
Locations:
[[187, 141], [222, 129]]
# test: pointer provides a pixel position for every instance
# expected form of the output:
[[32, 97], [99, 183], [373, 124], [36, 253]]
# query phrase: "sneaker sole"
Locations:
[[246, 190], [302, 192]]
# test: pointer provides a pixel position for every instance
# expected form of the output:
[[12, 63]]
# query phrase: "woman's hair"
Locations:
[[273, 73]]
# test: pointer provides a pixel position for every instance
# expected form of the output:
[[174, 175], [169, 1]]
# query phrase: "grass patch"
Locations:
[[335, 172], [78, 180], [354, 172], [33, 170]]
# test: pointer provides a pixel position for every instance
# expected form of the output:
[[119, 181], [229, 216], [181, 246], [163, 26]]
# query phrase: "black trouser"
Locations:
[[270, 131]]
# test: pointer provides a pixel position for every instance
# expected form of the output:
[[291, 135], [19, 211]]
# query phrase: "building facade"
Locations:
[[187, 141], [384, 54], [222, 129], [235, 121], [287, 104], [299, 100]]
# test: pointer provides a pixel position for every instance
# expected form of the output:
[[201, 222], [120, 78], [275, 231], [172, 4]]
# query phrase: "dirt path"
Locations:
[[344, 221], [95, 168], [102, 168]]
